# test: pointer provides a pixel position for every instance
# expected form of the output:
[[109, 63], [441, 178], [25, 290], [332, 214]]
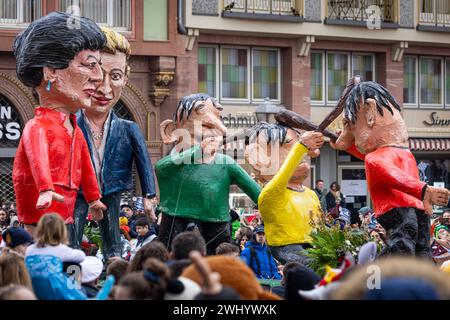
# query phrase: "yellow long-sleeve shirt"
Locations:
[[287, 213]]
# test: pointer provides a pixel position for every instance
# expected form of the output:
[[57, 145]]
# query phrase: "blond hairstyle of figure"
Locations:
[[13, 271], [354, 287], [51, 230], [115, 42]]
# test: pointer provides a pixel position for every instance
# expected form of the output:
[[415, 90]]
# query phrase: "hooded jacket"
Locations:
[[259, 259]]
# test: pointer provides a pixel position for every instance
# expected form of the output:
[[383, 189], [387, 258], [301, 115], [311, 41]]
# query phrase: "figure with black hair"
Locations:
[[287, 207], [375, 131], [52, 161], [195, 178]]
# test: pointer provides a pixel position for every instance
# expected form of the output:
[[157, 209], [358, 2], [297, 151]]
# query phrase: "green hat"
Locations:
[[438, 228]]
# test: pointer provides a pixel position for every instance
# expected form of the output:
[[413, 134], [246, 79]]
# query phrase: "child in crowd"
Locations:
[[228, 249], [13, 271], [17, 240], [51, 239], [45, 258], [91, 269], [154, 249], [146, 234], [149, 284]]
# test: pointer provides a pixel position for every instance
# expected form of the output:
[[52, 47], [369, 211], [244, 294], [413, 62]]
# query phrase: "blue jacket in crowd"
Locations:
[[124, 144], [259, 259]]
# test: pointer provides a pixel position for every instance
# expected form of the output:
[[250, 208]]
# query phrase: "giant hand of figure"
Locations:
[[96, 209], [149, 210], [46, 197], [312, 140], [435, 196]]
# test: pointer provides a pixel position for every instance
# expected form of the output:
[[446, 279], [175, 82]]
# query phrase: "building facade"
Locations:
[[300, 54]]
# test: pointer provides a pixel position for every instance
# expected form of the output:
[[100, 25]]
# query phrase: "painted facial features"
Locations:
[[206, 117], [76, 84], [263, 157], [114, 80]]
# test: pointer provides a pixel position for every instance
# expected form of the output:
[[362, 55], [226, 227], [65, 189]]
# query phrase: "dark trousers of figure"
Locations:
[[291, 253], [109, 225], [214, 233], [408, 232]]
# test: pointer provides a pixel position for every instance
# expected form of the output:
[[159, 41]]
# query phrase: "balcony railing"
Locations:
[[434, 13], [357, 10], [267, 7]]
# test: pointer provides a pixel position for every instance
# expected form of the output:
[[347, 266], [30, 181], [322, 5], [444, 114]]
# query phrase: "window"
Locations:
[[111, 13], [410, 80], [447, 81], [430, 80], [426, 81], [337, 74], [317, 87], [265, 74], [17, 12], [207, 70], [239, 74], [234, 82], [333, 77], [362, 64]]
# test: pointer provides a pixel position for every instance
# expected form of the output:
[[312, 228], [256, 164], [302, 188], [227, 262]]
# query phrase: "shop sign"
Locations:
[[436, 121], [9, 127]]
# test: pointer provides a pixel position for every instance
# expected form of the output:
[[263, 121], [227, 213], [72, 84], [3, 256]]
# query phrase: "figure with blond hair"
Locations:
[[114, 144]]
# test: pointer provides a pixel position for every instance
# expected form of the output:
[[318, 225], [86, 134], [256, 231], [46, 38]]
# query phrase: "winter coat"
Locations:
[[259, 259]]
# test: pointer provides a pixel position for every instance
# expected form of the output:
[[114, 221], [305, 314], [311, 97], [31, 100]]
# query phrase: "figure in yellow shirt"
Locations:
[[276, 152]]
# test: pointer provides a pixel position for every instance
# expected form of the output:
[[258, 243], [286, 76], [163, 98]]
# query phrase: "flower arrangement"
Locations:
[[331, 243]]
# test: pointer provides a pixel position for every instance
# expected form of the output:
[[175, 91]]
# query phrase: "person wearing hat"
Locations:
[[258, 257], [91, 269], [17, 239], [126, 208], [440, 248]]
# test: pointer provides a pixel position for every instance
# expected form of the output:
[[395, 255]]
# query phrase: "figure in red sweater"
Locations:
[[375, 132], [52, 162]]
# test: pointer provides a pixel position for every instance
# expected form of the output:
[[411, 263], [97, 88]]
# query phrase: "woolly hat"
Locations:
[[14, 236], [91, 269], [439, 228], [123, 221], [234, 274]]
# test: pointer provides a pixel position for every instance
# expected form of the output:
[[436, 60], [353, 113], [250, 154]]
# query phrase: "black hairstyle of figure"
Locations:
[[187, 104], [368, 90], [50, 42], [274, 132]]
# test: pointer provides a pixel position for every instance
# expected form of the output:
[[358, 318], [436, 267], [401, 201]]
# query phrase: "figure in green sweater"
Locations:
[[194, 183]]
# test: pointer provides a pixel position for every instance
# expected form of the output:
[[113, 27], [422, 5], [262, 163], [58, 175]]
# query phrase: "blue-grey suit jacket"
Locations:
[[124, 144]]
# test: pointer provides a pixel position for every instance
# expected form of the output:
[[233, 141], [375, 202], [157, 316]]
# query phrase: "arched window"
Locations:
[[11, 125], [122, 111]]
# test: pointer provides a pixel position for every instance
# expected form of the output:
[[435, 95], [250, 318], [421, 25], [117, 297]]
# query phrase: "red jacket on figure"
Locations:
[[392, 178], [48, 158]]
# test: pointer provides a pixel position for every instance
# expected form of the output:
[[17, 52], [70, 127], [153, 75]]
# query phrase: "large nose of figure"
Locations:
[[214, 122], [104, 87], [97, 74]]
